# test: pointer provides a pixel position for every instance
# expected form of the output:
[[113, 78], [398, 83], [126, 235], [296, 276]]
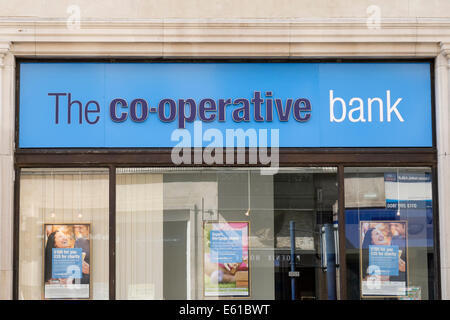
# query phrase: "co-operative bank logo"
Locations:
[[198, 128], [263, 144]]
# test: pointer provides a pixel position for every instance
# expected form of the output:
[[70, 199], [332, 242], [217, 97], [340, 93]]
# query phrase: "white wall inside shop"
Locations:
[[139, 233]]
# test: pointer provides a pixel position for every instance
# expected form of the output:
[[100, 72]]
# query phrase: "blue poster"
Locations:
[[383, 259], [226, 246], [67, 263]]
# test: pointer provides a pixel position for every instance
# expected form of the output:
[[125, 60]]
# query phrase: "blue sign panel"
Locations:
[[384, 260], [408, 177], [126, 105], [66, 263], [226, 246]]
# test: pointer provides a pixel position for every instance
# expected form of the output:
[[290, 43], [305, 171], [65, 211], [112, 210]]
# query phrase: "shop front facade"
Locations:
[[191, 159]]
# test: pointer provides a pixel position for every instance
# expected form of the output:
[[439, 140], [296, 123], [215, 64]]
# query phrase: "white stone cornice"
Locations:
[[233, 30], [220, 37], [168, 50], [250, 21]]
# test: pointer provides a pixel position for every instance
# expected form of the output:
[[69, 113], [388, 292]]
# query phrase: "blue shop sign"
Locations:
[[127, 105]]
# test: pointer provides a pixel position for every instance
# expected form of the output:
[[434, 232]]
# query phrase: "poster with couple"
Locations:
[[226, 262], [67, 264], [383, 258]]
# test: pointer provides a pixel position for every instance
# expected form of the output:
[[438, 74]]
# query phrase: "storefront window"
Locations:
[[389, 233], [223, 233], [63, 234]]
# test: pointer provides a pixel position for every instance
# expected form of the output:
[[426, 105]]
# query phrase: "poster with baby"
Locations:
[[383, 258], [226, 266], [67, 261]]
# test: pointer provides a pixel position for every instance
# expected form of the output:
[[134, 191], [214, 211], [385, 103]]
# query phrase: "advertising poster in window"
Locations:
[[384, 258], [67, 268], [226, 266]]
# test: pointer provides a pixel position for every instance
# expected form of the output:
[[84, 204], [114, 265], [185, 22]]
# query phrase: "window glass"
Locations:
[[389, 233], [63, 234], [221, 233]]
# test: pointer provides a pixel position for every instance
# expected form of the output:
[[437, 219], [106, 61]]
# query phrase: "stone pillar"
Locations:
[[6, 169], [442, 72]]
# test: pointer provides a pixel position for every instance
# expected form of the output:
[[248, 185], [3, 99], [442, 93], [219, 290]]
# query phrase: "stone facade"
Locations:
[[222, 28]]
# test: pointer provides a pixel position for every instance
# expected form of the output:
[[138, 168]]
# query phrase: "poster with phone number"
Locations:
[[384, 258], [226, 266]]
